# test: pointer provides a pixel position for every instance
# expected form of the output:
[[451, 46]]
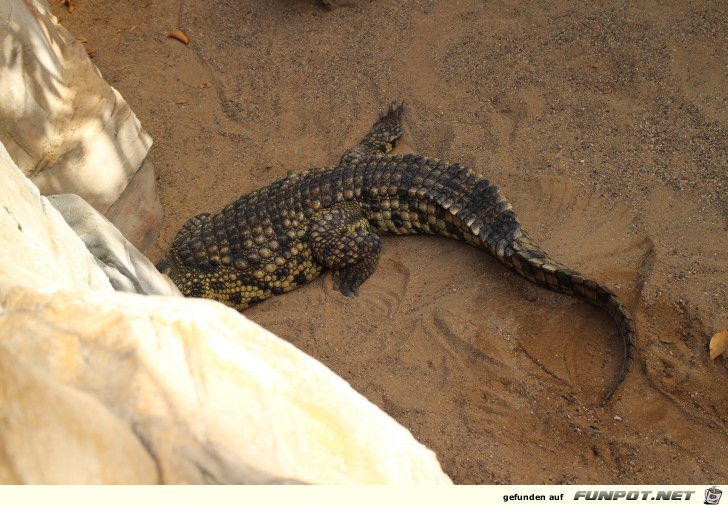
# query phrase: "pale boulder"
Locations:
[[38, 249], [66, 128], [214, 397], [127, 269], [55, 434], [100, 386]]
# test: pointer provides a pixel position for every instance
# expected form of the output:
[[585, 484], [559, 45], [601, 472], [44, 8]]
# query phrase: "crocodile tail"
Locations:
[[529, 261]]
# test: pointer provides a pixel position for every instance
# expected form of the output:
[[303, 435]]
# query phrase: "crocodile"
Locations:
[[283, 235]]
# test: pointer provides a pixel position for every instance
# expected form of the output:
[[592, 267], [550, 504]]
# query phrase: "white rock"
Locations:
[[127, 268], [65, 127], [54, 434], [98, 386], [214, 397], [38, 249]]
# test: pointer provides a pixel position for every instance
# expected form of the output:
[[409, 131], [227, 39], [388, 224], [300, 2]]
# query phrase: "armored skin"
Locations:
[[283, 235]]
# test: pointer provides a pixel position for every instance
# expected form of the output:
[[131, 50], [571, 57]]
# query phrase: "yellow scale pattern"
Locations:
[[285, 234]]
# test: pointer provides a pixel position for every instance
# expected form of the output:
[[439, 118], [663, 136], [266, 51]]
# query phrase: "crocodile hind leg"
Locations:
[[342, 240], [383, 136]]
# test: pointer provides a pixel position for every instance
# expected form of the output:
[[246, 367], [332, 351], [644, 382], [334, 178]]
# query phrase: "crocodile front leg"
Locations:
[[341, 239]]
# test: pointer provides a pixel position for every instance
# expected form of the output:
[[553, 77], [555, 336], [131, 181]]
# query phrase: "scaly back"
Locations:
[[285, 234]]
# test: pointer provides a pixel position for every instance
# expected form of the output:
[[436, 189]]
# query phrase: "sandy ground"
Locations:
[[603, 123]]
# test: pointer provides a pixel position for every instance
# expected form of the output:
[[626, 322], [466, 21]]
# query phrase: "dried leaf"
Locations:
[[69, 3], [179, 35], [131, 29], [82, 39], [718, 343]]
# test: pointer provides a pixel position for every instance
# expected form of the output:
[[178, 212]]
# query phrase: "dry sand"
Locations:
[[603, 123]]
